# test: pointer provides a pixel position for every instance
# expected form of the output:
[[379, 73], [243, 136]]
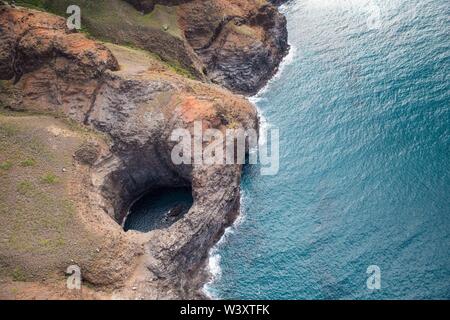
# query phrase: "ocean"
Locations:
[[363, 107]]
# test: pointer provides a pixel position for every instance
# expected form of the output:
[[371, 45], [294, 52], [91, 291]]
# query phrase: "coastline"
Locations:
[[164, 264], [213, 267], [110, 117]]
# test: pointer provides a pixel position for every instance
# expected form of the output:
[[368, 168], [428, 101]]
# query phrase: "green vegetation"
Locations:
[[165, 18], [8, 130], [25, 187], [86, 132], [6, 165], [50, 178], [101, 13], [52, 243], [37, 214], [18, 274], [175, 66], [119, 22], [178, 68], [2, 88], [244, 30], [30, 162], [35, 4]]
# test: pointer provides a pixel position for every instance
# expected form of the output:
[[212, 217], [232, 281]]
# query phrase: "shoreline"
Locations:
[[213, 268], [162, 264]]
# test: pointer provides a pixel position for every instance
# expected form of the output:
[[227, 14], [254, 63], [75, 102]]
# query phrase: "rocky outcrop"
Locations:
[[145, 6], [27, 45], [240, 43], [236, 44], [31, 43], [278, 2], [137, 102]]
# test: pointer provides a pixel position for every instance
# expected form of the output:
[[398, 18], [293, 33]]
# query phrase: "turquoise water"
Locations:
[[364, 119], [159, 209]]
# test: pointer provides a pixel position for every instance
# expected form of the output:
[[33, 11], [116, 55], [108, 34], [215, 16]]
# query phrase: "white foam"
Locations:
[[264, 126], [214, 266], [214, 258], [289, 59]]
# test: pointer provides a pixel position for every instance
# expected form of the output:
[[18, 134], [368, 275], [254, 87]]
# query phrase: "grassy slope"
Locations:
[[119, 22], [116, 12], [39, 233], [113, 12]]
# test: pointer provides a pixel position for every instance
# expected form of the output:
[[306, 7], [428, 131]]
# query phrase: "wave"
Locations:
[[263, 124], [214, 257], [289, 59]]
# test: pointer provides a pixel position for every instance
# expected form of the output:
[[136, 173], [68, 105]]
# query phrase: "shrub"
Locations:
[[6, 165], [50, 178]]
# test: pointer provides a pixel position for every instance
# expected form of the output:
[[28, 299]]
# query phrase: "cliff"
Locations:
[[237, 44], [102, 115], [133, 101], [240, 43]]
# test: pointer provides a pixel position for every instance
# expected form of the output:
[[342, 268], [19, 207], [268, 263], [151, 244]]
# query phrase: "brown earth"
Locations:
[[241, 43], [122, 105], [237, 44], [45, 223]]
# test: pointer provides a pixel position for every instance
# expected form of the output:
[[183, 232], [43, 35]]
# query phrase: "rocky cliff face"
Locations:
[[278, 2], [240, 43], [236, 44], [137, 102]]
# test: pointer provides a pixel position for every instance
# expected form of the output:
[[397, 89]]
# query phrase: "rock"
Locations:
[[88, 153], [241, 43], [145, 6], [176, 211], [35, 41], [278, 2], [237, 44], [137, 108]]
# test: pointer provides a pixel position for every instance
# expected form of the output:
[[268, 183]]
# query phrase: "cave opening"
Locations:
[[158, 209]]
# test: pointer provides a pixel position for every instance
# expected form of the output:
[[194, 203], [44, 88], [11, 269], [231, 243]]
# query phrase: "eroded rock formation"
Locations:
[[137, 102], [237, 44], [241, 43]]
